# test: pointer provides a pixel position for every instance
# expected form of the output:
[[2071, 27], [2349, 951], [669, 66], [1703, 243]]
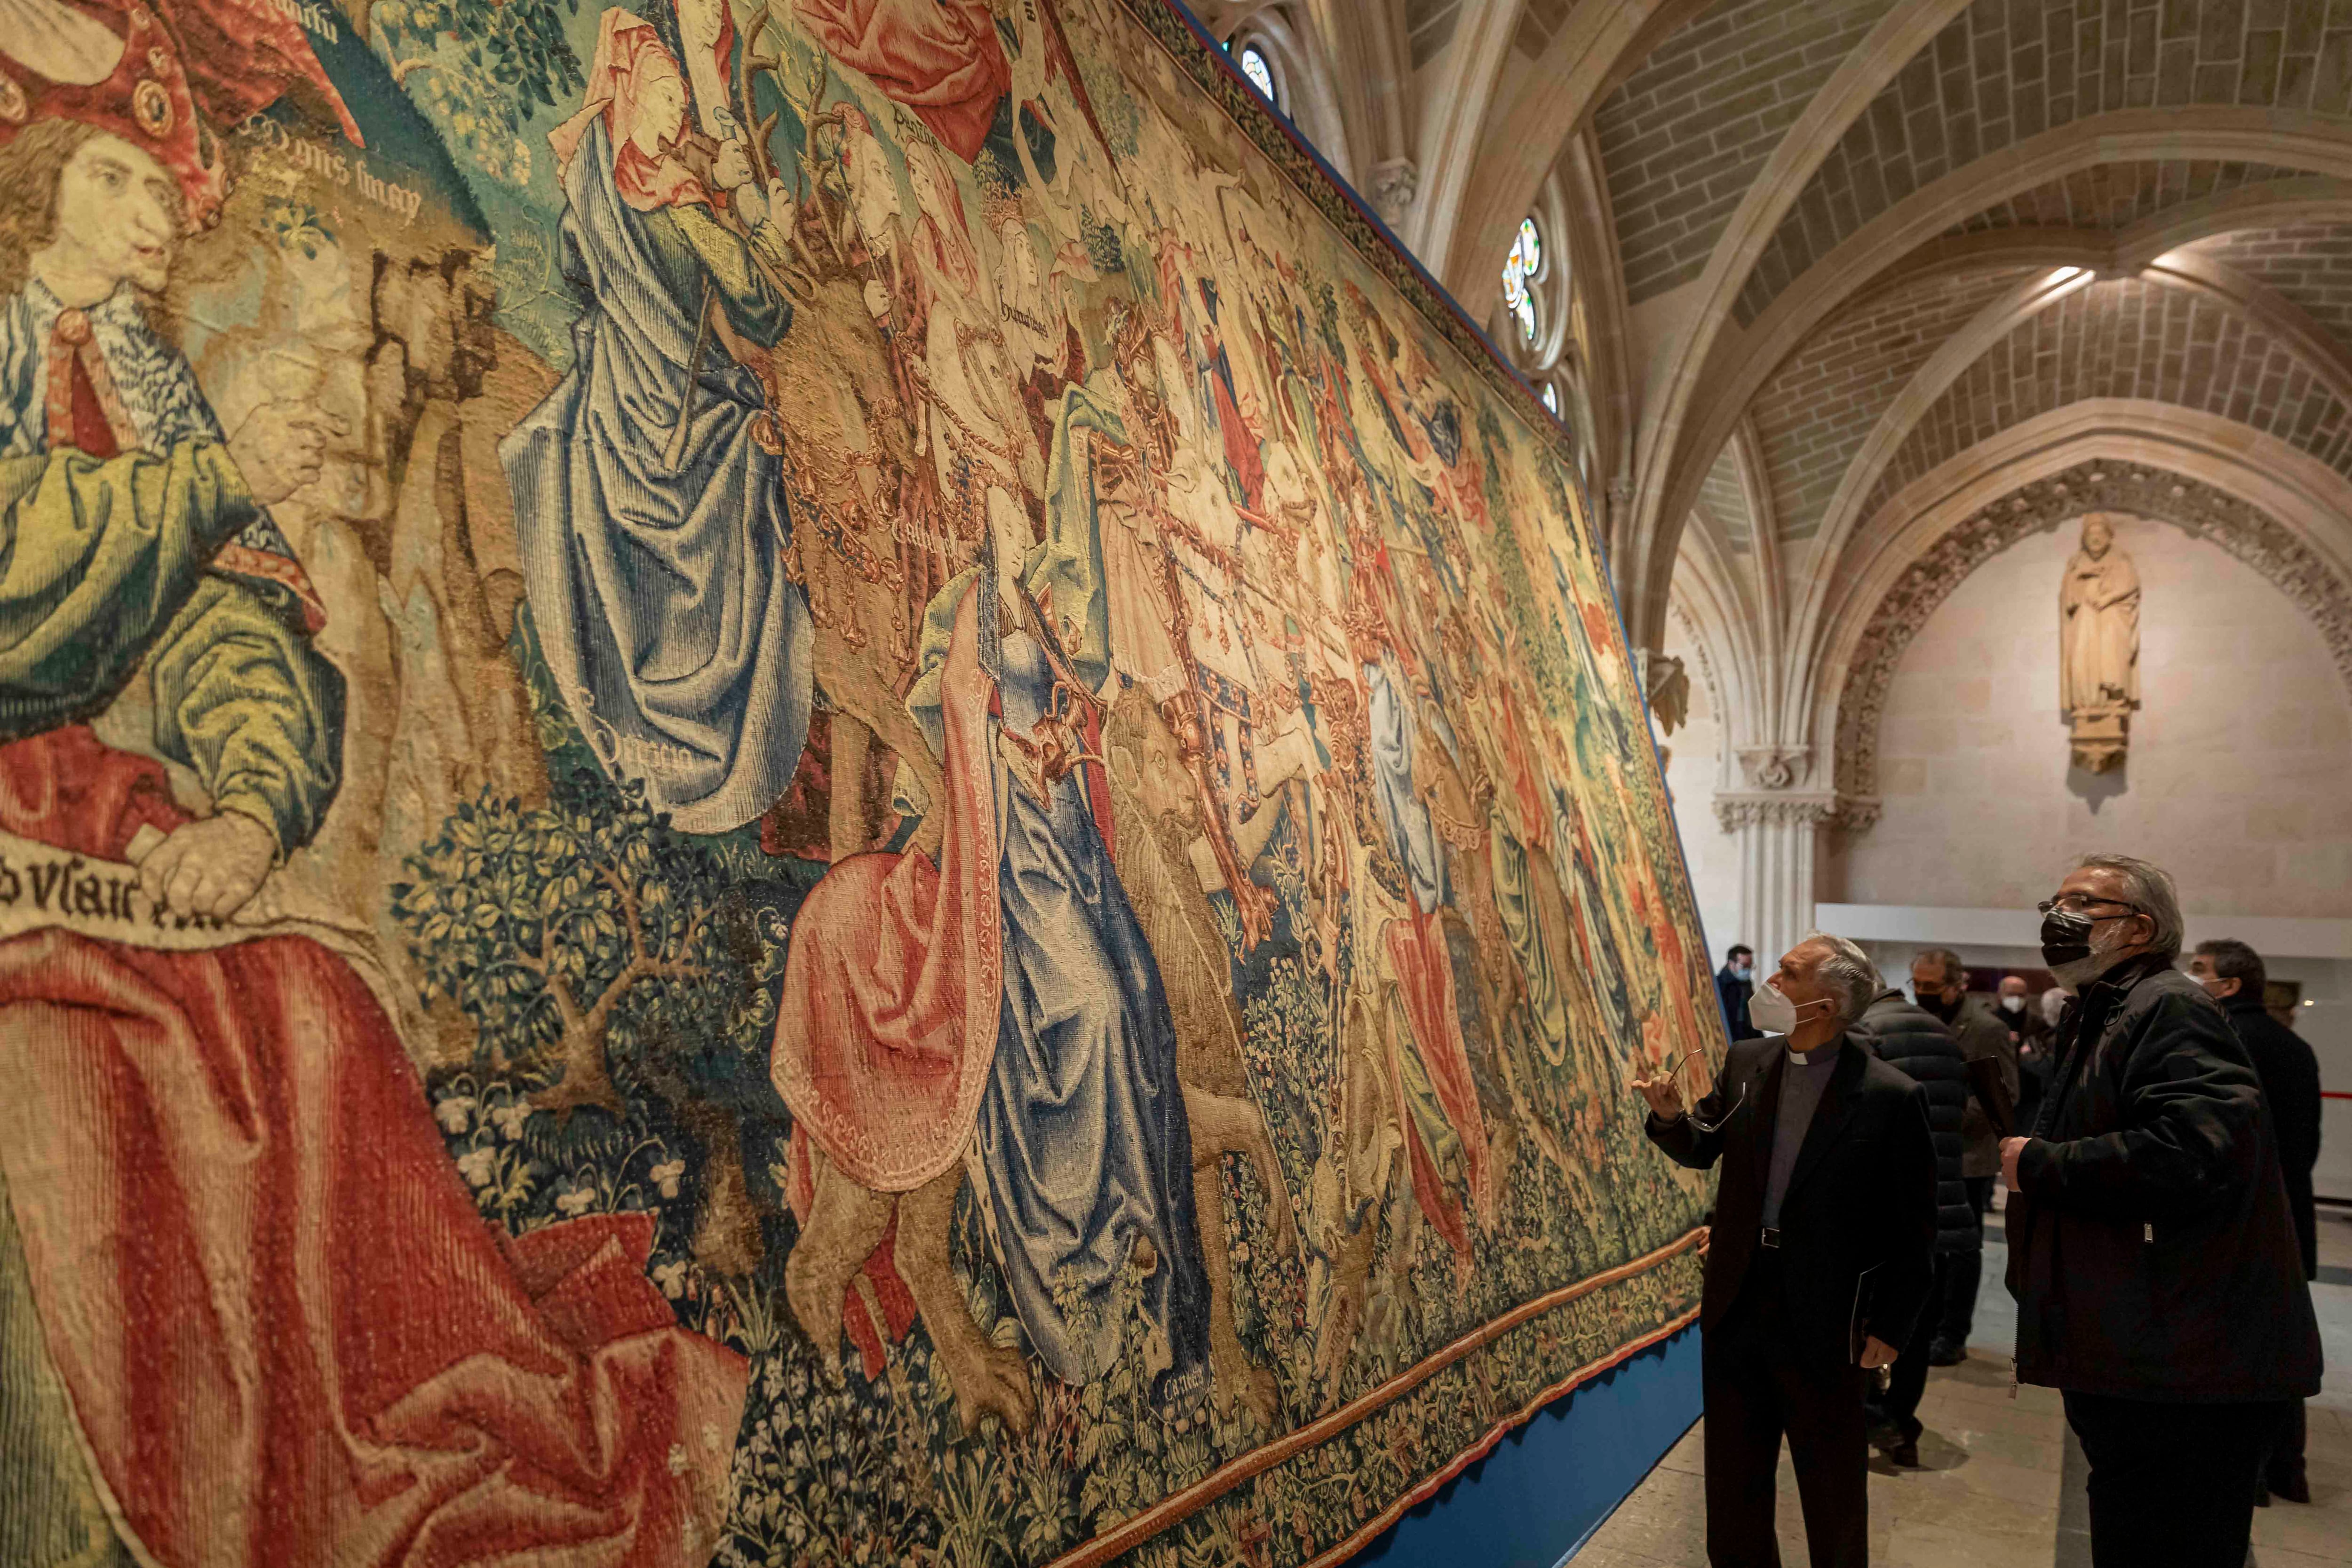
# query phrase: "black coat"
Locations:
[[2035, 1041], [2151, 1250], [1858, 1221], [2290, 1075], [1983, 1036], [1908, 1037], [1732, 993]]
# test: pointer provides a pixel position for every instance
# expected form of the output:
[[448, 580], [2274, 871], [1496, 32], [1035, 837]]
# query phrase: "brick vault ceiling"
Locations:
[[1919, 347]]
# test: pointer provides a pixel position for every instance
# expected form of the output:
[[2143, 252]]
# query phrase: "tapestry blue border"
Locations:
[[1545, 1489]]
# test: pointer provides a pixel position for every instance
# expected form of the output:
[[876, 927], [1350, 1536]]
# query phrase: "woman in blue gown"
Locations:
[[647, 486], [1084, 1154]]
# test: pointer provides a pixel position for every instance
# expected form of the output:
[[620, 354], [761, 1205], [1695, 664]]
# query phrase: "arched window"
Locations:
[[1285, 60], [1538, 321], [1521, 271], [1259, 70]]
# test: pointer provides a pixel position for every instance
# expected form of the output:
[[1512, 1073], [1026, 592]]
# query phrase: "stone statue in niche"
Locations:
[[2098, 646]]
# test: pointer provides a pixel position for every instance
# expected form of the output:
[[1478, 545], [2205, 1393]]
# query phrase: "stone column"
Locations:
[[1776, 831], [1618, 524]]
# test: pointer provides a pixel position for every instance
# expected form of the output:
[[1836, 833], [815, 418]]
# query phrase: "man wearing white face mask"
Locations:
[[2158, 1281], [1819, 1257]]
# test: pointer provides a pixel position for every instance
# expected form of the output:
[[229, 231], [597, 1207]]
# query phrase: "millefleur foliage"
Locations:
[[482, 67], [581, 935]]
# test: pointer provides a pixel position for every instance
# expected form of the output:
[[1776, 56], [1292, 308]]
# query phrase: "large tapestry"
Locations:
[[782, 782]]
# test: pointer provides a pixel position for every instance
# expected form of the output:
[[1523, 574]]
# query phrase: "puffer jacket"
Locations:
[[1908, 1037], [2150, 1248]]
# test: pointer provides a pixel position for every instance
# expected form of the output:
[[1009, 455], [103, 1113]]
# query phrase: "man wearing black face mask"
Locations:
[[1941, 983], [2151, 1250]]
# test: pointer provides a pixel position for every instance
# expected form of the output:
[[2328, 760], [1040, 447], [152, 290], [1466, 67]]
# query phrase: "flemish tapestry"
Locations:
[[782, 782]]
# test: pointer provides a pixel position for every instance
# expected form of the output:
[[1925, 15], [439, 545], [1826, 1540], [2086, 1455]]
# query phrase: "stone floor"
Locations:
[[2001, 1479]]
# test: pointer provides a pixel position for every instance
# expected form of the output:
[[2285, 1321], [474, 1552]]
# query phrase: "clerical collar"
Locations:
[[1811, 1058]]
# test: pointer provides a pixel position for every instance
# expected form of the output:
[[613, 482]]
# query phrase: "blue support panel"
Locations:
[[1545, 1487]]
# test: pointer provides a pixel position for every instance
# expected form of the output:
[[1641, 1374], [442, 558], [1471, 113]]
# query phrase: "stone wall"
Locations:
[[2238, 760]]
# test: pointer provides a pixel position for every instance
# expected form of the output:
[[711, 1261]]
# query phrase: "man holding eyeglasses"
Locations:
[[1819, 1257], [2151, 1250]]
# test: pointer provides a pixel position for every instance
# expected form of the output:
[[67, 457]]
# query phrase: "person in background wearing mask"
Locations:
[[1915, 1042], [2233, 975], [1819, 1257], [1940, 981], [2029, 1033], [2150, 1250], [1734, 984], [2053, 1007]]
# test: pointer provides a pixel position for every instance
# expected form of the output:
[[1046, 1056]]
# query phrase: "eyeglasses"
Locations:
[[2081, 903], [1711, 1128]]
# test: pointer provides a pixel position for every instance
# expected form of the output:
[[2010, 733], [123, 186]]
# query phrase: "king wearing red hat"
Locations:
[[166, 79]]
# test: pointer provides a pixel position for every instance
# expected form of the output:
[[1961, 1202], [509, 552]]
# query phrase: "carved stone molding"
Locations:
[[1681, 616], [2203, 511], [1396, 181], [1667, 685], [1856, 813], [1775, 767], [1738, 809]]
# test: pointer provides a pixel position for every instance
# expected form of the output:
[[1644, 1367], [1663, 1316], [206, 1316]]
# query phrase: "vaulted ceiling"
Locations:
[[1850, 264]]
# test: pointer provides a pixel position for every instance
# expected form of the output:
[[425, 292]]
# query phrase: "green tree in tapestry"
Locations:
[[586, 947], [510, 59]]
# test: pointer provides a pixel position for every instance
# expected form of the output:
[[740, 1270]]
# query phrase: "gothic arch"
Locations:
[[2146, 490], [1723, 368], [1306, 94]]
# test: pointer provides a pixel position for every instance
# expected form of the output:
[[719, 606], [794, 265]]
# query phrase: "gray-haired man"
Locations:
[[1819, 1259], [2155, 1267]]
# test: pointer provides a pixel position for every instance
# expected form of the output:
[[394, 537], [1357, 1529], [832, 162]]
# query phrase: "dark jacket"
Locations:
[[1908, 1037], [2034, 1040], [2029, 1027], [1983, 1035], [1732, 993], [1858, 1221], [2151, 1250], [2290, 1075]]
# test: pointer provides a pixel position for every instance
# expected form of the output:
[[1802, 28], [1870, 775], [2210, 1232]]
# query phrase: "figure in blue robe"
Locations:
[[1084, 1148], [1081, 1130], [657, 587], [1411, 832]]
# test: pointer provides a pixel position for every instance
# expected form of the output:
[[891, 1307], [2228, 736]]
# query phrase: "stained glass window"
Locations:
[[1260, 75], [1519, 269], [1552, 397]]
